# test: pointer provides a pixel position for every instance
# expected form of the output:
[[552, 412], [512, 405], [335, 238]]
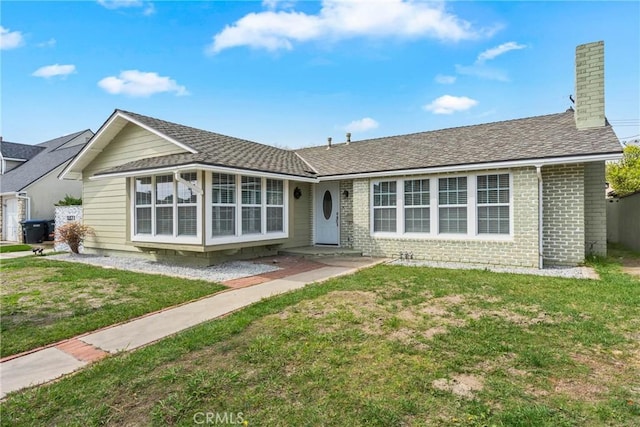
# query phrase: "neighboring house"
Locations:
[[515, 192], [29, 184]]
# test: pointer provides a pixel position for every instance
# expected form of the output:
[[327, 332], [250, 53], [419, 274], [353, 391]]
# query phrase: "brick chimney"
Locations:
[[590, 85]]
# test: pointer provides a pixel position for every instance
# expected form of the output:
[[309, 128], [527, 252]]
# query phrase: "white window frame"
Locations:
[[508, 204], [434, 234], [386, 207], [406, 207], [238, 237], [464, 206], [153, 237]]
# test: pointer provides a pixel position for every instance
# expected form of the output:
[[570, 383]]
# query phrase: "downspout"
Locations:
[[181, 180], [540, 217]]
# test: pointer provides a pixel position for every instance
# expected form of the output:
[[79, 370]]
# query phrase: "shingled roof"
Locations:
[[541, 137], [50, 155], [14, 150], [214, 149]]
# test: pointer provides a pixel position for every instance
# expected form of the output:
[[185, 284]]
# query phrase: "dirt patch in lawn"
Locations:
[[462, 385]]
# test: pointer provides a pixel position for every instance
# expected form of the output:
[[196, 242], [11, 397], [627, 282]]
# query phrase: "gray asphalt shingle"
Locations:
[[216, 150], [540, 137], [49, 157], [14, 150]]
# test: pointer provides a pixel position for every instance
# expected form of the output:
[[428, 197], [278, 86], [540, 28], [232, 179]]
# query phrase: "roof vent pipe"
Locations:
[[328, 143], [348, 137]]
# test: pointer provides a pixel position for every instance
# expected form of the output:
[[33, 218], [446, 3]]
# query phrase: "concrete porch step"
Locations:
[[320, 251]]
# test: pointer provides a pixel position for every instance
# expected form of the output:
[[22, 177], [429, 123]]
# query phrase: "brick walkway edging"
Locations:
[[69, 345]]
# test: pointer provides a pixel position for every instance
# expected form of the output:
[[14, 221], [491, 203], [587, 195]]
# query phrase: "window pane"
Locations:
[[416, 192], [164, 220], [251, 220], [452, 191], [275, 219], [186, 194], [251, 190], [143, 220], [187, 220], [275, 192], [223, 220], [143, 191], [384, 219], [416, 220], [493, 220], [223, 190], [384, 193], [164, 190], [453, 220]]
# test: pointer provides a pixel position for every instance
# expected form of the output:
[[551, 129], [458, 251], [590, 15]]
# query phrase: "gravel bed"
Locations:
[[216, 273], [566, 272]]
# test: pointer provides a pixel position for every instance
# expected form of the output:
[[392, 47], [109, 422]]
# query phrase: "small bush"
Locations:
[[69, 200], [73, 234]]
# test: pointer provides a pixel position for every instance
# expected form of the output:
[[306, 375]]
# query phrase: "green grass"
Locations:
[[388, 346], [45, 301], [14, 248]]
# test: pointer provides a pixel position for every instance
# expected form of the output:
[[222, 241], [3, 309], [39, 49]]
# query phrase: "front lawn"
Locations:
[[14, 248], [388, 346], [45, 301]]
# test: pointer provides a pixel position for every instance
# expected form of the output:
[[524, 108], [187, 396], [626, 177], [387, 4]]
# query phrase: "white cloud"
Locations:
[[362, 125], [140, 84], [54, 70], [48, 43], [480, 68], [149, 8], [482, 71], [339, 19], [498, 50], [448, 104], [445, 80], [278, 4], [10, 39]]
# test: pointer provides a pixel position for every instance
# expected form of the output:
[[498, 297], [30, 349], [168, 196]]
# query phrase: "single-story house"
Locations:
[[29, 184], [522, 192]]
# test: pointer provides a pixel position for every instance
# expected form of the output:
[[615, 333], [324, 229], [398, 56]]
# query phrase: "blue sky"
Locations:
[[292, 73]]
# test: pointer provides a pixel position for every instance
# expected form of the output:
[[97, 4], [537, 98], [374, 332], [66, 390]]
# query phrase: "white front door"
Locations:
[[327, 213], [10, 220]]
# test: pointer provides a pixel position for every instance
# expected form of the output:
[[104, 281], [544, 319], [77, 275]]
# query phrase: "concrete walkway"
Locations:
[[46, 364]]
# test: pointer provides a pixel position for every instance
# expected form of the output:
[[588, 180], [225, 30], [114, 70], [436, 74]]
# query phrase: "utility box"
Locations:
[[35, 231]]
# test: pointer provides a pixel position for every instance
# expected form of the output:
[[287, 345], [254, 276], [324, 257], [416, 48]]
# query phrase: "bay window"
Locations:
[[223, 212], [166, 209], [246, 208]]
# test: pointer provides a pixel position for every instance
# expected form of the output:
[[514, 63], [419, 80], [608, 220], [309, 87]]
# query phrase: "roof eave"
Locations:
[[202, 166], [478, 166]]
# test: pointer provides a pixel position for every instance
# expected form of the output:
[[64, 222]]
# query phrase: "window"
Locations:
[[246, 208], [166, 208], [416, 206], [275, 205], [187, 206], [452, 205], [143, 189], [223, 197], [251, 205], [493, 204], [164, 205], [384, 206]]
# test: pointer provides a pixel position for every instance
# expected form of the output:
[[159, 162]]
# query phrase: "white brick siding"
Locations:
[[595, 212], [522, 250]]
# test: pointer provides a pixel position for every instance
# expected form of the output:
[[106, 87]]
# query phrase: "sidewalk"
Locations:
[[46, 364]]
